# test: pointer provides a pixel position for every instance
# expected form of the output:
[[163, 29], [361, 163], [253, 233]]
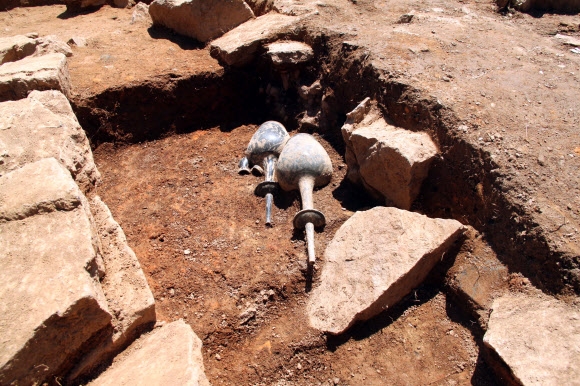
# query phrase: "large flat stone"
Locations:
[[537, 337], [42, 126], [203, 20], [170, 355], [370, 268], [15, 48], [237, 47], [51, 302], [390, 162], [128, 295], [40, 187], [47, 72]]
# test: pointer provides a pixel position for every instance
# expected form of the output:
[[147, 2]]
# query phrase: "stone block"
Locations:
[[76, 5], [50, 45], [238, 47], [47, 72], [203, 20], [14, 48], [477, 277], [170, 355], [125, 287], [537, 337], [390, 162], [39, 187], [289, 53], [370, 268], [51, 302], [42, 126]]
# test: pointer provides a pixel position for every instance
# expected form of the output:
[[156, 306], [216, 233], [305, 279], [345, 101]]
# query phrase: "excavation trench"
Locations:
[[170, 178]]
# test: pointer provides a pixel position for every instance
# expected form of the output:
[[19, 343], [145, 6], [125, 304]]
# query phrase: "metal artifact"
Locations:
[[304, 165], [264, 149]]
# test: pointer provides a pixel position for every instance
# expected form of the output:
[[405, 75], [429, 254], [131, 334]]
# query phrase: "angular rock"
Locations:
[[568, 40], [477, 277], [128, 295], [237, 47], [170, 355], [51, 302], [80, 41], [289, 53], [48, 72], [41, 126], [51, 44], [390, 162], [537, 337], [370, 268], [203, 20], [14, 48], [39, 187], [141, 14]]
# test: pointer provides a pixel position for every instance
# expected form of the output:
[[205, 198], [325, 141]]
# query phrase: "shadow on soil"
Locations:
[[184, 42]]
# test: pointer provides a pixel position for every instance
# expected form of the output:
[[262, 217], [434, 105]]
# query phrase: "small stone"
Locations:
[[171, 291], [186, 252], [299, 366], [218, 357], [405, 18], [78, 41], [336, 381]]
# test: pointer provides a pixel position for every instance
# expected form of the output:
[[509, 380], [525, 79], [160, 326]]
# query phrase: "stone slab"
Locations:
[[51, 44], [39, 187], [42, 126], [47, 72], [370, 268], [14, 48], [477, 277], [124, 284], [238, 46], [203, 20], [289, 53], [390, 162], [537, 337], [51, 302], [170, 355]]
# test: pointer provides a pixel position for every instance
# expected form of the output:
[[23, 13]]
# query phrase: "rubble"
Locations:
[[49, 276], [238, 46], [47, 72], [44, 125], [170, 355], [289, 53], [125, 287], [537, 337], [14, 48], [388, 161], [368, 269], [203, 20]]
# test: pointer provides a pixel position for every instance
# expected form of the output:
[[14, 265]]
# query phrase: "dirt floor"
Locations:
[[198, 229]]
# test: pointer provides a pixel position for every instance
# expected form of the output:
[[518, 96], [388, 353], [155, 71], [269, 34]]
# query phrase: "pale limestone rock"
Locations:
[[39, 187], [237, 47], [203, 20], [51, 44], [47, 72], [538, 337], [41, 126], [170, 355], [370, 268], [141, 14], [289, 53], [390, 162], [128, 295], [51, 302], [14, 48], [80, 41]]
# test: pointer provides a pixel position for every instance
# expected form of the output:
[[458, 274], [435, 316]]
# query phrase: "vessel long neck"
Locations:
[[306, 185], [269, 166]]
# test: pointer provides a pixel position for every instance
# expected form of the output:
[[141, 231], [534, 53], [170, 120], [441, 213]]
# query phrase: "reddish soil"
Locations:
[[496, 92]]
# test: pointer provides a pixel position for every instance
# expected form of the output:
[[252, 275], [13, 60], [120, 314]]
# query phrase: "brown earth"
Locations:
[[497, 93]]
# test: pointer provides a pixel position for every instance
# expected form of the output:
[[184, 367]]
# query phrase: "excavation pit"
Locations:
[[167, 133]]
